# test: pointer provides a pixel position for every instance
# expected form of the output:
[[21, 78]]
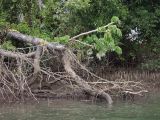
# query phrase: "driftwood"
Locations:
[[24, 80]]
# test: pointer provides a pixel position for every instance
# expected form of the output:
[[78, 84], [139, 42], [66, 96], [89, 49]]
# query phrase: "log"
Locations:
[[34, 40]]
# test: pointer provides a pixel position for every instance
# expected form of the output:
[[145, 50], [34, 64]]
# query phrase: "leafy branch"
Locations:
[[109, 41]]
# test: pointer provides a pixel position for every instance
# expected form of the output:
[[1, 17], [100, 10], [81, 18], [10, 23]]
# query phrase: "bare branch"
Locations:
[[16, 54], [89, 32]]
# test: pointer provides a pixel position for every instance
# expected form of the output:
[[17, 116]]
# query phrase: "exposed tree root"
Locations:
[[83, 84], [52, 68]]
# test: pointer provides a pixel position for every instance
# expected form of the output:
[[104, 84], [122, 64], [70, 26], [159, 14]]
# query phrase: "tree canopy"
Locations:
[[135, 38]]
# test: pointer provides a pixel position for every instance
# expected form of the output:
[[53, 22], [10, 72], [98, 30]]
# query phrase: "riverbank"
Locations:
[[149, 80]]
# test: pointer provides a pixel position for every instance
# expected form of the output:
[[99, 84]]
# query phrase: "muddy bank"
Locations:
[[150, 81]]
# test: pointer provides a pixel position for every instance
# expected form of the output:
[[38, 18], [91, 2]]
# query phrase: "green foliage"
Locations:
[[58, 18], [21, 27], [107, 42], [3, 22], [7, 46], [77, 4], [118, 50], [26, 29], [145, 16], [62, 40], [75, 16], [115, 19], [151, 65]]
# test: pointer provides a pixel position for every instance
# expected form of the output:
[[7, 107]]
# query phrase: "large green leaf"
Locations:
[[115, 19], [118, 50]]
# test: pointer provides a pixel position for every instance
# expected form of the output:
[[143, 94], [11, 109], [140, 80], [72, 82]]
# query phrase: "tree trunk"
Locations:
[[34, 40]]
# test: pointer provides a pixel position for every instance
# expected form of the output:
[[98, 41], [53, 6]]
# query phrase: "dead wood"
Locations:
[[15, 35], [16, 54], [83, 84], [37, 59], [33, 71]]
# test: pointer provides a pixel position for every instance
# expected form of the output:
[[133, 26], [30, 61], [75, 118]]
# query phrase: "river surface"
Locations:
[[73, 110]]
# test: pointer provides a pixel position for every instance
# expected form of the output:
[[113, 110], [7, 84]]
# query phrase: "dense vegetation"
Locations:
[[59, 20]]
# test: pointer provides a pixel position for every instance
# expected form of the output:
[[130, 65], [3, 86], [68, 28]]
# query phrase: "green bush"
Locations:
[[151, 65]]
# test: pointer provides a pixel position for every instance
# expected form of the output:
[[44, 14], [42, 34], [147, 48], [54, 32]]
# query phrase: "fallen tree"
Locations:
[[38, 70]]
